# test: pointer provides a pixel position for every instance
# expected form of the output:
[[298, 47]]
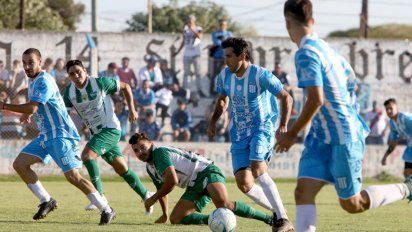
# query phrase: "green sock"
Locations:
[[243, 210], [195, 219], [94, 174], [131, 178]]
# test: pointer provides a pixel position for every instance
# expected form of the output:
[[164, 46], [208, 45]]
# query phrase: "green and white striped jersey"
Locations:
[[93, 102], [186, 163]]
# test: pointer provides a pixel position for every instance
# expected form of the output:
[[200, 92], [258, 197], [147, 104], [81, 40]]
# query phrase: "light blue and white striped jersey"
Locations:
[[402, 127], [317, 64], [252, 101], [52, 118]]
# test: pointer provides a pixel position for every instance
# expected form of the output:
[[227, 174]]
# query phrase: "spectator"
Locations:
[[110, 72], [126, 74], [181, 92], [4, 75], [18, 80], [169, 75], [378, 122], [222, 123], [181, 122], [152, 73], [48, 65], [150, 127], [192, 35], [165, 97], [60, 74], [144, 99], [283, 77], [216, 52], [122, 114]]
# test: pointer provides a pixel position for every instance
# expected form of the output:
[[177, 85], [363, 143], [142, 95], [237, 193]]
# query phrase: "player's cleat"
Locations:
[[106, 218], [45, 208], [282, 225], [91, 207], [408, 182], [148, 195]]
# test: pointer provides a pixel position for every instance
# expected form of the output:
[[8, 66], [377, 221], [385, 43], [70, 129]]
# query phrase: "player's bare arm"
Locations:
[[27, 108], [163, 201], [313, 102], [392, 145], [125, 88], [220, 107], [286, 102], [170, 181]]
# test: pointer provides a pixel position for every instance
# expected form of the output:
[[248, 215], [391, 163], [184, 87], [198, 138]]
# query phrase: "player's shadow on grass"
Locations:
[[76, 223]]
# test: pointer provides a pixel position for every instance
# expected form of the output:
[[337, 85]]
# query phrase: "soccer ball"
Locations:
[[222, 220]]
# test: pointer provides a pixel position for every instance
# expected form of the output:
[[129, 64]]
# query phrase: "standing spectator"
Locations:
[[126, 74], [48, 65], [18, 79], [150, 127], [283, 77], [216, 51], [192, 35], [181, 122], [152, 73], [4, 75], [168, 74], [378, 122], [222, 133], [60, 74], [110, 72], [144, 99], [165, 97]]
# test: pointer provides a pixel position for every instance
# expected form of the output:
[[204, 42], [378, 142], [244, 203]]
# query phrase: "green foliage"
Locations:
[[170, 18], [387, 31], [56, 15]]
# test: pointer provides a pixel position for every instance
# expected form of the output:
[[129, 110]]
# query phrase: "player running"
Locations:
[[58, 139], [249, 91], [90, 97], [204, 182], [335, 144]]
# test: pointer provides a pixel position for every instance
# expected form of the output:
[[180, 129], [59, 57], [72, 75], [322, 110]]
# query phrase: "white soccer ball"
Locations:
[[222, 220]]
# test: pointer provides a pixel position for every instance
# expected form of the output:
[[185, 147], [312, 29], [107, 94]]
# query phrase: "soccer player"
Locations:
[[401, 126], [204, 182], [250, 92], [58, 139], [335, 144], [90, 98]]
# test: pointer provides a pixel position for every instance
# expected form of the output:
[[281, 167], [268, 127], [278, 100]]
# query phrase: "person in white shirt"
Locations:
[[152, 73], [165, 97], [4, 75], [377, 122]]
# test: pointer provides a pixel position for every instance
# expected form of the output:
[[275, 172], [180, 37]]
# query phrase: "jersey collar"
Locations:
[[312, 36]]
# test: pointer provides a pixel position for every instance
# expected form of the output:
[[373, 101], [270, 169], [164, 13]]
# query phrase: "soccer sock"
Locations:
[[243, 210], [131, 178], [272, 194], [39, 191], [195, 218], [305, 218], [257, 195], [380, 195], [98, 201], [94, 174]]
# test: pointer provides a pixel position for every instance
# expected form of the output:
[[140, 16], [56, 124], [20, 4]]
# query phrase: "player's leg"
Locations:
[[184, 211], [186, 71], [407, 157], [408, 169], [198, 76]]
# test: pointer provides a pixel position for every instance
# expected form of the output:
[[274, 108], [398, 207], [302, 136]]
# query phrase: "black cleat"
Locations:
[[282, 225], [45, 208], [107, 218]]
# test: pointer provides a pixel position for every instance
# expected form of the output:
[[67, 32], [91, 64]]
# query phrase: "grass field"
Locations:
[[18, 206]]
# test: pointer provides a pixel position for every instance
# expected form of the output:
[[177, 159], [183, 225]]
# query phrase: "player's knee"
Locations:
[[351, 206], [244, 186], [224, 204], [302, 197], [73, 178], [19, 165], [174, 219]]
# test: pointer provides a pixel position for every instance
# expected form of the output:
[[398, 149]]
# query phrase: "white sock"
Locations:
[[272, 194], [39, 191], [305, 218], [99, 202], [380, 195], [257, 195]]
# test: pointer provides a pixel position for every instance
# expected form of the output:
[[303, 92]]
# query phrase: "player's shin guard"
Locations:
[[134, 182], [94, 174], [195, 219], [243, 210]]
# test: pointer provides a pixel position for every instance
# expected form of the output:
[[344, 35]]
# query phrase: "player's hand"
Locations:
[[211, 130], [285, 141], [133, 116], [25, 118], [162, 219], [149, 202], [383, 162], [281, 130]]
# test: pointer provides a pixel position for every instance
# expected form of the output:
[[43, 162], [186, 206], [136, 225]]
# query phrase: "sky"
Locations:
[[265, 15]]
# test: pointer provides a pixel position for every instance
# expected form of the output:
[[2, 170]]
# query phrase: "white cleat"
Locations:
[[148, 195], [91, 207]]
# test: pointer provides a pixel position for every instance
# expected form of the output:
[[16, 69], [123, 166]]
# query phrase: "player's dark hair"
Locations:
[[126, 58], [32, 51], [389, 101], [72, 63], [239, 46], [138, 137], [299, 10]]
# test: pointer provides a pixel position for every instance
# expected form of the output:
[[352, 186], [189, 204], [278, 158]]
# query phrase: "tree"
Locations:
[[170, 18], [56, 15], [387, 31]]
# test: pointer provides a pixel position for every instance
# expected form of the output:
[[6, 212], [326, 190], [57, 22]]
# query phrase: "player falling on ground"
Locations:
[[204, 182], [90, 97], [335, 144], [401, 126], [250, 92], [58, 139]]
